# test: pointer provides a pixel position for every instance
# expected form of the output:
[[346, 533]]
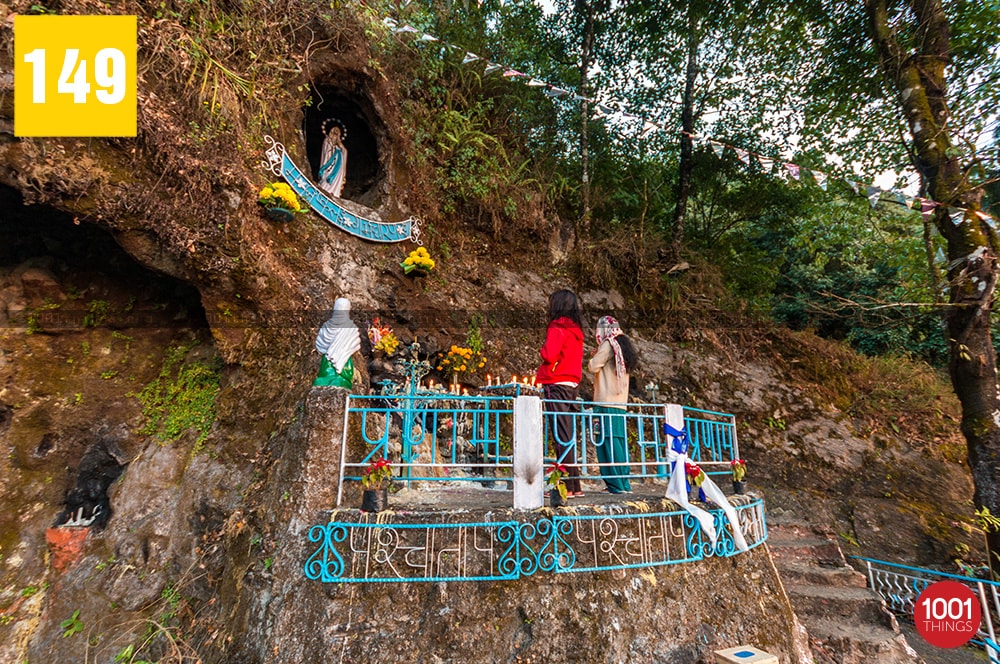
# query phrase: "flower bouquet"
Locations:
[[279, 201], [382, 338], [739, 468], [460, 359], [557, 487], [375, 481], [695, 477], [418, 262]]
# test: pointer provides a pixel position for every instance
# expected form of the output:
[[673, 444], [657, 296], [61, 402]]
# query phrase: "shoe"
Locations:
[[577, 494]]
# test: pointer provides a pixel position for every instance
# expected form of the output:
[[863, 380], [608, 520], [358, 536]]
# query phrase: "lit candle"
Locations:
[[489, 379], [465, 393], [430, 385], [513, 379]]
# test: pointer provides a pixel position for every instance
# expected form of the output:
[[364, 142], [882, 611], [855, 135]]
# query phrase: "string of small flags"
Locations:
[[785, 170]]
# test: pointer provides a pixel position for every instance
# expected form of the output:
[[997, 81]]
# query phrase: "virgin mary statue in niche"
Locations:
[[333, 160]]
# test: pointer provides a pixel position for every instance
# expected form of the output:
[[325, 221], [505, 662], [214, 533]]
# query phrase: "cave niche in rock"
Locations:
[[364, 141], [83, 327], [59, 260]]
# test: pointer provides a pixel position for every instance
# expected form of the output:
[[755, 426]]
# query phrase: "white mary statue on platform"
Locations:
[[337, 341], [333, 160]]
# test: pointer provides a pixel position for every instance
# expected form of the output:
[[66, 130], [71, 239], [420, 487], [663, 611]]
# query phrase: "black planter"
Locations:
[[279, 214], [556, 499], [739, 488], [374, 500]]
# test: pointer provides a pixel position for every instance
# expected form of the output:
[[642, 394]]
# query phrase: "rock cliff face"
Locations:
[[152, 315]]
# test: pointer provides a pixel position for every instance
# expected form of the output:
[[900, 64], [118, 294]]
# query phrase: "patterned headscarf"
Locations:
[[607, 330]]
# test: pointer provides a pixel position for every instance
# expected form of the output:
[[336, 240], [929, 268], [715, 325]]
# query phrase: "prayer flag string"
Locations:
[[646, 126]]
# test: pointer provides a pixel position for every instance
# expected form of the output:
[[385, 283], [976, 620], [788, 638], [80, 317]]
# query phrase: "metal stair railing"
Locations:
[[901, 585]]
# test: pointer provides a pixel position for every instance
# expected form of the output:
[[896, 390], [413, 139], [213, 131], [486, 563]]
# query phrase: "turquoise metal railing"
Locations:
[[435, 436], [992, 650], [713, 439], [378, 548], [712, 436], [901, 585]]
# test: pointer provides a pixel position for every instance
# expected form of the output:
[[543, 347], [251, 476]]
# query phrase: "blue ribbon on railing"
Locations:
[[681, 441]]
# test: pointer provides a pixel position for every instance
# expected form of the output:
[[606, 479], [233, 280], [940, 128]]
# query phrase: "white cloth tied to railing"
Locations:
[[677, 490]]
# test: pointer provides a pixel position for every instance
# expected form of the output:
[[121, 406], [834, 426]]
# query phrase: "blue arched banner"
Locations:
[[279, 163]]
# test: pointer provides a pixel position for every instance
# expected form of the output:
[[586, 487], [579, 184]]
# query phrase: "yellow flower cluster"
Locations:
[[461, 360], [280, 195], [388, 343], [418, 259]]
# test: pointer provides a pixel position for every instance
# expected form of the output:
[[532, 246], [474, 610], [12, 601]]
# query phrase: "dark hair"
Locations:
[[563, 304], [629, 352]]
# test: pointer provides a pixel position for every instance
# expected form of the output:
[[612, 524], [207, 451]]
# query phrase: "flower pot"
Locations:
[[279, 214], [556, 499], [416, 272], [696, 495], [374, 500], [739, 488]]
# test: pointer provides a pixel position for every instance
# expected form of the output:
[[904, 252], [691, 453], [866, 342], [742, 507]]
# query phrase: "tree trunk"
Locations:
[[919, 81], [586, 58], [686, 164]]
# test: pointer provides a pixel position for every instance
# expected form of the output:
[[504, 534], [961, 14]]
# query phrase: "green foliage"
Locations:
[[477, 138], [33, 323], [988, 523], [182, 397], [850, 539], [171, 598], [847, 94], [474, 336], [72, 625], [860, 275], [98, 312]]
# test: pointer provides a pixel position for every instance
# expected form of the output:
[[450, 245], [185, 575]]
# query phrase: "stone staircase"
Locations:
[[846, 622]]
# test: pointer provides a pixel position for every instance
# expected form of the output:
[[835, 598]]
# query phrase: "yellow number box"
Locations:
[[74, 75]]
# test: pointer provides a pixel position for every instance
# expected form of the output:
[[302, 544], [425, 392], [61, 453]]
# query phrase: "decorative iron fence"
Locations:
[[901, 585], [377, 548], [434, 436]]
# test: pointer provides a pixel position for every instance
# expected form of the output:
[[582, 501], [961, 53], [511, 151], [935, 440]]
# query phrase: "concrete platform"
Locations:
[[447, 495]]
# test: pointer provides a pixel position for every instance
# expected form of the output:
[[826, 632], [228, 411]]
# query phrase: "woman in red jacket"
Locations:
[[559, 375]]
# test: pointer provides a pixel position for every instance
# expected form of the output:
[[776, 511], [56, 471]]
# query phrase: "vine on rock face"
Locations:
[[182, 397]]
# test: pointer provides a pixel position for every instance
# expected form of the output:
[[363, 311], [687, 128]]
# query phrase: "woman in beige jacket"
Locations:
[[615, 358]]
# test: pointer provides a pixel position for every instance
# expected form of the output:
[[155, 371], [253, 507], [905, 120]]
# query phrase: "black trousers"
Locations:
[[561, 429]]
